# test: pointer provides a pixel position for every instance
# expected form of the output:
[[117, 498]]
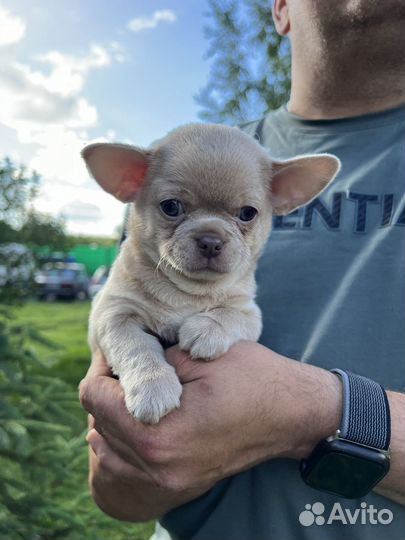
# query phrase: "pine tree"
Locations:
[[40, 440], [43, 453], [250, 70]]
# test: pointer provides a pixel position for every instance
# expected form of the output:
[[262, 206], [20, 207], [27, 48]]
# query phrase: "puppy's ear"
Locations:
[[297, 181], [118, 168]]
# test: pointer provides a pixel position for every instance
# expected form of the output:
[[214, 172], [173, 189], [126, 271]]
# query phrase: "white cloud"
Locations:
[[118, 52], [68, 72], [81, 211], [105, 211], [48, 110], [42, 102], [12, 28], [58, 156], [142, 23], [32, 101]]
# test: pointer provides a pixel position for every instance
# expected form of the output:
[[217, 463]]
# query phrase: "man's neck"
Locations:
[[348, 80]]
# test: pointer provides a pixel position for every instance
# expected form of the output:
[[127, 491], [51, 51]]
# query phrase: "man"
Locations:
[[225, 465]]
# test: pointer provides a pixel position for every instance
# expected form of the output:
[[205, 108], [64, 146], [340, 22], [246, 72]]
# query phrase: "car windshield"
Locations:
[[66, 273], [99, 274]]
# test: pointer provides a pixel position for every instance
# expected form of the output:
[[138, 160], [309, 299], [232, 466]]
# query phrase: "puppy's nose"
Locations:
[[209, 245]]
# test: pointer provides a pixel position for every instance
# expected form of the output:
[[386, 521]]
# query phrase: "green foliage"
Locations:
[[43, 455], [16, 270], [7, 233], [19, 221], [38, 449], [44, 230], [98, 241], [17, 190], [250, 70]]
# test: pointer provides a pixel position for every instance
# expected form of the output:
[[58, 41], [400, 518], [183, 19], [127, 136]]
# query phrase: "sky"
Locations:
[[76, 72]]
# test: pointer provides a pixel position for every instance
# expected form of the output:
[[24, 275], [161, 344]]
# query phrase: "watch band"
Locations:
[[366, 418]]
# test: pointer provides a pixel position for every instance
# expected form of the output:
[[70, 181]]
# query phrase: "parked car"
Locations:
[[98, 279], [62, 280]]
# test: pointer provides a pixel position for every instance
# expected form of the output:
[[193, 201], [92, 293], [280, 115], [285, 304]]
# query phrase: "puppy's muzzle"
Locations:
[[209, 245]]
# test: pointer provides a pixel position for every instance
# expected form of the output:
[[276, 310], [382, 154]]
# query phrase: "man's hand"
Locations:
[[248, 406]]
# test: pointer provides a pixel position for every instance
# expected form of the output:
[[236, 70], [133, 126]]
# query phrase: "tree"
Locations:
[[17, 190], [38, 449], [95, 240], [21, 224], [44, 230], [43, 453], [250, 70], [19, 221]]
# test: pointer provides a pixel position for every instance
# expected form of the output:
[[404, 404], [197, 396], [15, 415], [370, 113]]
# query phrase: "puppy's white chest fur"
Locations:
[[168, 330]]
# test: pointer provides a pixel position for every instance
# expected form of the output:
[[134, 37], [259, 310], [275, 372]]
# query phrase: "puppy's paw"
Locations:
[[149, 397], [203, 337]]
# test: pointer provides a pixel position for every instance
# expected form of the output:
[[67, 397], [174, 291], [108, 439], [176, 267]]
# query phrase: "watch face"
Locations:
[[345, 469]]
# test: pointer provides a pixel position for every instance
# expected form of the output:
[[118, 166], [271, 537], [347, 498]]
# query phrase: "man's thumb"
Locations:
[[186, 368]]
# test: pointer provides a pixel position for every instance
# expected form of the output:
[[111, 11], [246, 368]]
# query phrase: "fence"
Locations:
[[93, 256]]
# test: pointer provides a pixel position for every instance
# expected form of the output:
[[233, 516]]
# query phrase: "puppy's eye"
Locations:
[[247, 213], [171, 207]]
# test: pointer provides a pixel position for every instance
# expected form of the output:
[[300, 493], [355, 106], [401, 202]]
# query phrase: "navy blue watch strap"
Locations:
[[366, 416]]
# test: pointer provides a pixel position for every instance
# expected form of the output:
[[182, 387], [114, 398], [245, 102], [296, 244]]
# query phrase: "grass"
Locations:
[[65, 326]]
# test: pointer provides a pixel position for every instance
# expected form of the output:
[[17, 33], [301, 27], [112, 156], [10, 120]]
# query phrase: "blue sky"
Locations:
[[73, 72]]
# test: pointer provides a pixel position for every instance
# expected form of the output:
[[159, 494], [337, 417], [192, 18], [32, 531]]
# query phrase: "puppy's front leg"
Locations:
[[210, 334], [151, 386]]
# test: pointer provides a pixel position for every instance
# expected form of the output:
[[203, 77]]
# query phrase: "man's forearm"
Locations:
[[309, 406], [315, 413], [393, 485]]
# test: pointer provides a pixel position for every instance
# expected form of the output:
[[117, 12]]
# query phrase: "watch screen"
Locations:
[[351, 476]]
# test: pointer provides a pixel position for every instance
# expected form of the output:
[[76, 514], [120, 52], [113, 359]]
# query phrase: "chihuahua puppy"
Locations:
[[202, 202]]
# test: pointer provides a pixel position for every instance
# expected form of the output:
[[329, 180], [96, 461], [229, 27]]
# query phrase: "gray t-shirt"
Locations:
[[330, 285]]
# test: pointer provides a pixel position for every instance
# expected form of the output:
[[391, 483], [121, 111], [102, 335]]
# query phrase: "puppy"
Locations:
[[202, 202]]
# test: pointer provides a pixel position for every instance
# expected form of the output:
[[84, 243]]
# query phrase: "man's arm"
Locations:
[[393, 485], [248, 406]]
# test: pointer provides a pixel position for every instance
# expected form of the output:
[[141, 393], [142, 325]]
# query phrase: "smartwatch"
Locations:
[[350, 463]]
